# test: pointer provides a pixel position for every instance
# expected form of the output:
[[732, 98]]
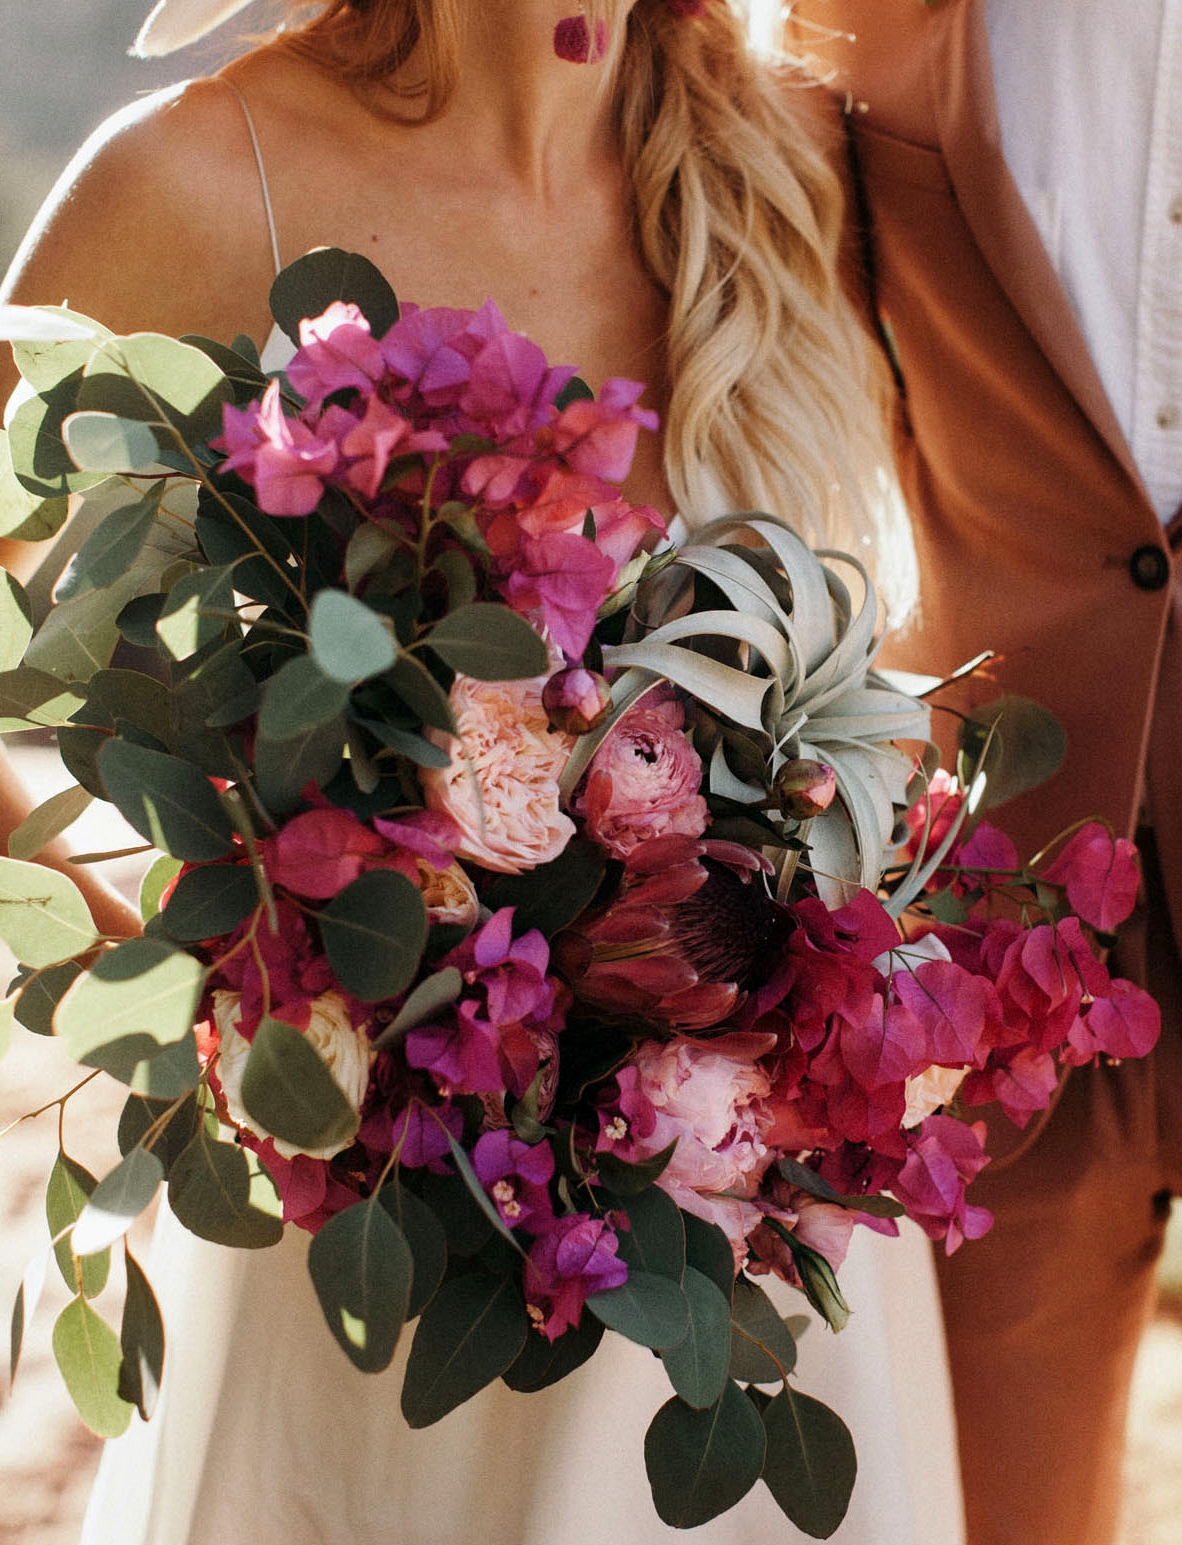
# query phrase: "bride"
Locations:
[[641, 197]]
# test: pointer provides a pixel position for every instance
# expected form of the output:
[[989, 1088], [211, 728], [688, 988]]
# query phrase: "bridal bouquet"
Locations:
[[528, 926]]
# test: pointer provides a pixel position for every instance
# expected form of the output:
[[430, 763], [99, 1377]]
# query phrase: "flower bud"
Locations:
[[804, 788], [576, 700]]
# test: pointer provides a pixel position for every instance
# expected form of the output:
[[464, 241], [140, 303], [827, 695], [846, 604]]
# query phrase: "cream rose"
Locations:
[[501, 786], [448, 894], [344, 1049]]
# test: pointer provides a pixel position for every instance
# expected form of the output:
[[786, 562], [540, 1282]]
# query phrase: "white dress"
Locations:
[[266, 1433]]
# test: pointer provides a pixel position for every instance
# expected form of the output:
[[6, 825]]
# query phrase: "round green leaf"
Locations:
[[424, 1234], [697, 1366], [89, 1356], [307, 287], [763, 1349], [700, 1463], [349, 640], [209, 902], [33, 699], [141, 1341], [103, 442], [209, 1190], [69, 1189], [16, 622], [469, 1333], [155, 882], [40, 992], [143, 988], [117, 1202], [170, 802], [155, 379], [361, 1267], [374, 933], [810, 1466], [299, 698], [48, 821], [198, 608], [43, 918], [290, 1092], [655, 1241], [649, 1309], [709, 1251], [489, 642]]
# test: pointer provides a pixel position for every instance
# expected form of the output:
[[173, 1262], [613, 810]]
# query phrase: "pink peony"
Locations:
[[711, 1098], [644, 781], [501, 785]]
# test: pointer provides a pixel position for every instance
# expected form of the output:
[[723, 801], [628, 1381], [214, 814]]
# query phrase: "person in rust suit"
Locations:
[[1016, 204]]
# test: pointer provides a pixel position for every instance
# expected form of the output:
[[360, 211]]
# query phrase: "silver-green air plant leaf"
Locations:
[[788, 660]]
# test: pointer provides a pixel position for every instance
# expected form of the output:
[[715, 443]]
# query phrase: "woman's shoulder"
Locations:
[[159, 221]]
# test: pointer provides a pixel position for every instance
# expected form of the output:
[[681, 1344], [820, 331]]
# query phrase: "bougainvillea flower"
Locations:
[[336, 352], [284, 461], [1100, 874], [560, 579], [943, 1156], [565, 1266], [517, 1177], [373, 440]]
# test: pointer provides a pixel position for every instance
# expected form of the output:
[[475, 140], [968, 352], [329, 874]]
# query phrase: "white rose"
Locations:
[[345, 1051]]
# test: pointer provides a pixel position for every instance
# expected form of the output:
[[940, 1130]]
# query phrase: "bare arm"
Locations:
[[154, 226]]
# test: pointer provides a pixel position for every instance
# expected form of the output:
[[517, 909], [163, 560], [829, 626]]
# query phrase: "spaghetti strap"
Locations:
[[262, 170]]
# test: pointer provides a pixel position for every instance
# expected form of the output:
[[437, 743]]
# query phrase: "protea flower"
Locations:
[[687, 931]]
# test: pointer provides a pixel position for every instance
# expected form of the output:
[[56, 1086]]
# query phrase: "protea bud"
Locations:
[[576, 700], [804, 788]]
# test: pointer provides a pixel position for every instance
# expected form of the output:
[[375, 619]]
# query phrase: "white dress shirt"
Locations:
[[1090, 105]]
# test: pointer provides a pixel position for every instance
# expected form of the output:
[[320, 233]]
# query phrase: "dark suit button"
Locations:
[[1150, 568]]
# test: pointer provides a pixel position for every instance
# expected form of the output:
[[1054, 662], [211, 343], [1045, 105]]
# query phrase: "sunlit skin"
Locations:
[[515, 192]]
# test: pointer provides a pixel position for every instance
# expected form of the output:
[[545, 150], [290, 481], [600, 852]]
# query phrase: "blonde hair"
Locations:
[[774, 400]]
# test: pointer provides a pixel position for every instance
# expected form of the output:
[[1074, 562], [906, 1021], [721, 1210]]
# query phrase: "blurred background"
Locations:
[[64, 68]]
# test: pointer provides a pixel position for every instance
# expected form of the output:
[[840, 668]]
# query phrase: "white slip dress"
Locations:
[[265, 1432]]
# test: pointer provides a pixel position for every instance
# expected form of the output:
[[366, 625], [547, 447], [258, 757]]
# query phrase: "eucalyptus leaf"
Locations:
[[431, 996], [28, 1296], [700, 1463], [1016, 743], [655, 1238], [199, 609], [69, 1188], [47, 821], [33, 699], [469, 1333], [300, 698], [424, 1234], [283, 768], [16, 622], [104, 442], [113, 547], [307, 287], [40, 461], [489, 642], [141, 1341], [763, 1348], [542, 1363], [89, 1356], [374, 933], [166, 800], [155, 882], [40, 992], [697, 1366], [117, 1201], [25, 516], [43, 335], [209, 902], [361, 1268], [289, 1091], [422, 694], [157, 380], [810, 1465], [143, 987], [209, 1190], [551, 896], [369, 548], [79, 635], [349, 640], [649, 1309], [43, 918]]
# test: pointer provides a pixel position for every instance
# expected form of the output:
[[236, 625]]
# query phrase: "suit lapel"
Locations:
[[966, 113]]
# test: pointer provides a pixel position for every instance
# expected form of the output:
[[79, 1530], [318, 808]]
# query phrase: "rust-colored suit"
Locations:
[[1036, 539]]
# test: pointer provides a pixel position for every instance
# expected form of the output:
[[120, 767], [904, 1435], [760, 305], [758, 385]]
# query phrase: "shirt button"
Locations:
[[1167, 416], [1175, 210], [1150, 568]]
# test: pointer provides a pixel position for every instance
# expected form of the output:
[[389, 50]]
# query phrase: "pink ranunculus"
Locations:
[[644, 781], [501, 785], [711, 1098]]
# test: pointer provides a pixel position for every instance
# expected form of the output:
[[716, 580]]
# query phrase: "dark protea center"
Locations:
[[727, 927]]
